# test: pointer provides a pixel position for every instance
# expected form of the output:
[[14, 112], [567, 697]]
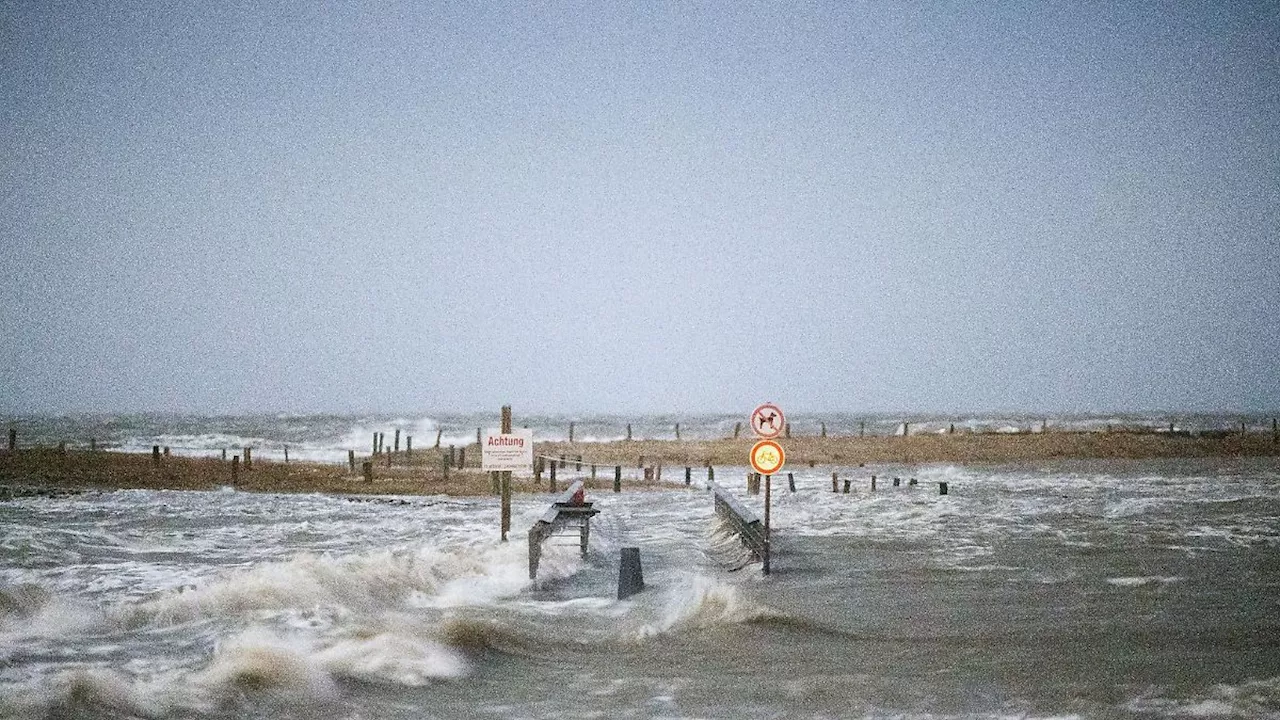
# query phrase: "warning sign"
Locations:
[[767, 457], [512, 451], [767, 421]]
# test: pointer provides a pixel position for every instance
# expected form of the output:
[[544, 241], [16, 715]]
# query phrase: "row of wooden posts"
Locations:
[[458, 458], [753, 483]]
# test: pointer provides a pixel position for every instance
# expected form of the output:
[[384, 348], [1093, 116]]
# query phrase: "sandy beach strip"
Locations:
[[422, 473]]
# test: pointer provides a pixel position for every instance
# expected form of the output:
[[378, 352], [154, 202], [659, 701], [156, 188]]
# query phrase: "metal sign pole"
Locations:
[[768, 482]]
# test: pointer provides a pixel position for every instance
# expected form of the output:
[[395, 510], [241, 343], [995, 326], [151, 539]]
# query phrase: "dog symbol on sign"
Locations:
[[769, 420]]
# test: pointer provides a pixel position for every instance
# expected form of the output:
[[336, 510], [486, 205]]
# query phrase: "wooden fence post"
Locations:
[[155, 455], [570, 432], [824, 433], [835, 482], [862, 428], [374, 451], [286, 454], [248, 458], [677, 431], [737, 429], [408, 448], [552, 481], [628, 431], [462, 458], [235, 470], [688, 475], [351, 460], [368, 470], [439, 432], [396, 446]]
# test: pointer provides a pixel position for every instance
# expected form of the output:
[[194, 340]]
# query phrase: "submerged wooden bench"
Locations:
[[569, 510]]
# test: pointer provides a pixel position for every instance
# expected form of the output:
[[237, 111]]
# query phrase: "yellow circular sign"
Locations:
[[767, 457]]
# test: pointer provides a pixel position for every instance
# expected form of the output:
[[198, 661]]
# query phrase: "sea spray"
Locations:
[[701, 603]]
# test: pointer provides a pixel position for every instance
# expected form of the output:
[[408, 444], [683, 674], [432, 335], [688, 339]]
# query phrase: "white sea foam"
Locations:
[[701, 603], [1131, 582]]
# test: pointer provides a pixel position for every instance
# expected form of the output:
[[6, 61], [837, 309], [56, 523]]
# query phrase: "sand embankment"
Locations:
[[423, 471]]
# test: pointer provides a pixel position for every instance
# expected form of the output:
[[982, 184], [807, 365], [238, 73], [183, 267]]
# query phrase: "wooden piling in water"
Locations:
[[570, 432], [93, 444], [897, 482], [166, 451], [628, 431], [848, 482], [688, 475], [286, 454], [224, 456], [367, 467], [835, 482], [791, 482], [351, 460], [677, 431], [408, 448], [552, 481], [382, 442], [1275, 433], [711, 473], [248, 458], [824, 429], [396, 446], [873, 483], [942, 488], [617, 478], [478, 440], [862, 428], [13, 439]]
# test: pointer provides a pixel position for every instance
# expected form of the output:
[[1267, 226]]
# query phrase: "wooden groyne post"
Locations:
[[569, 510], [351, 460], [741, 520], [505, 478], [13, 438]]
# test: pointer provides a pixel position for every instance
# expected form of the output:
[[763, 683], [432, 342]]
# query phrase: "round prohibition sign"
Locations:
[[767, 457], [767, 421]]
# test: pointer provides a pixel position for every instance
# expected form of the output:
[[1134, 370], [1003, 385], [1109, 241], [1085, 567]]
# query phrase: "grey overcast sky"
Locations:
[[639, 206]]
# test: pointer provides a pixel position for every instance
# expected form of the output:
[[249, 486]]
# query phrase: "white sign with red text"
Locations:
[[510, 452]]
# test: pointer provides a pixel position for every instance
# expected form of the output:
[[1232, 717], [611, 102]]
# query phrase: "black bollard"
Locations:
[[630, 574]]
